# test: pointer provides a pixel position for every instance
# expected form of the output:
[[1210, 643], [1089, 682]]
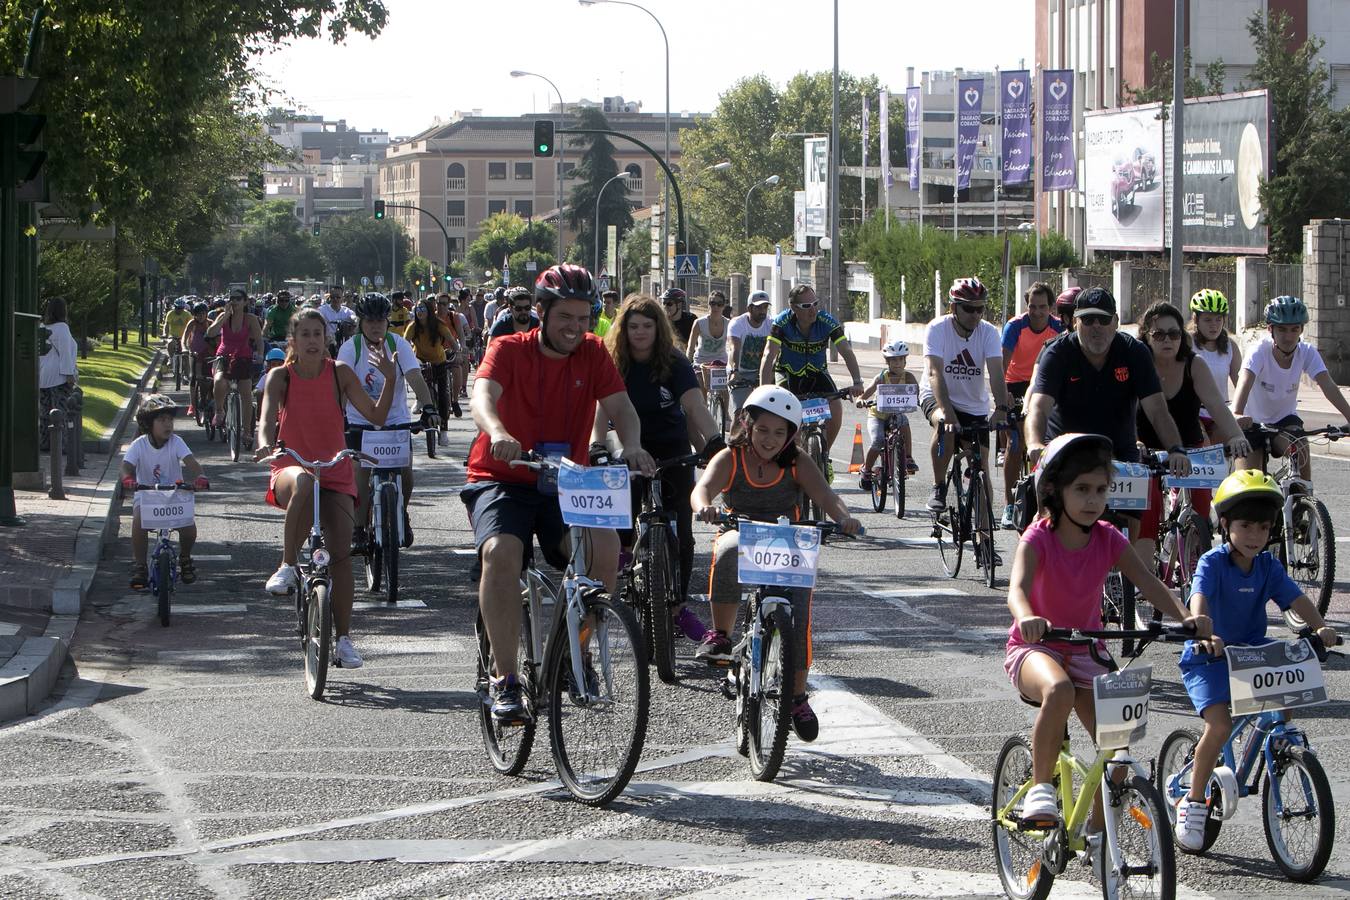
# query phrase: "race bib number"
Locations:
[[1121, 701], [816, 410], [392, 449], [1129, 486], [778, 555], [1208, 469], [717, 378], [597, 497], [897, 397], [1277, 675], [166, 509]]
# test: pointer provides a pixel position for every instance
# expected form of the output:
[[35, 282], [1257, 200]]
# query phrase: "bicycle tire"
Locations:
[[879, 478], [717, 407], [747, 707], [431, 443], [233, 426], [982, 502], [768, 735], [178, 371], [901, 476], [1017, 856], [660, 580], [613, 631], [318, 639], [953, 546], [1314, 564], [1296, 757], [815, 448], [1174, 759], [508, 746], [163, 585], [198, 403], [1142, 810], [392, 517], [373, 560]]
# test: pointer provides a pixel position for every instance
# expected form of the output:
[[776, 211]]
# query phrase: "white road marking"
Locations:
[[212, 557], [422, 492], [818, 793], [206, 655], [843, 637], [186, 609], [411, 646], [894, 598], [8, 628], [378, 604], [464, 551]]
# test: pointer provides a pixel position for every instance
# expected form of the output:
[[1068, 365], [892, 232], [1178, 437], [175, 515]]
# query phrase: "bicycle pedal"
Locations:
[[1037, 824]]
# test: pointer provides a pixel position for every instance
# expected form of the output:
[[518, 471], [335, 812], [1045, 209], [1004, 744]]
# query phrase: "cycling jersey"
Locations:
[[399, 318], [798, 353], [175, 321], [278, 323], [1024, 343]]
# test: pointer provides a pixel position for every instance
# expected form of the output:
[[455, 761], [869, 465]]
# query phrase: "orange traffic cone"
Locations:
[[855, 464]]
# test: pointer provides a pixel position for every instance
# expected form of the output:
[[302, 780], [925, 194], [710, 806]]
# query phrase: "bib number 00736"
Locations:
[[778, 555]]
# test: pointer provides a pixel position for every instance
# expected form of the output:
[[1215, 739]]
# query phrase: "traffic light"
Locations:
[[543, 137], [316, 229], [449, 278], [379, 209], [24, 129]]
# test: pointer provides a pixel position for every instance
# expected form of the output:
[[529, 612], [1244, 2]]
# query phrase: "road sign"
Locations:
[[458, 284], [602, 283], [379, 281], [506, 277], [531, 266], [365, 281], [707, 262], [686, 265]]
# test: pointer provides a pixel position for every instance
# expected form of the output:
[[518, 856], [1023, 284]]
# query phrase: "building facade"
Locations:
[[332, 169]]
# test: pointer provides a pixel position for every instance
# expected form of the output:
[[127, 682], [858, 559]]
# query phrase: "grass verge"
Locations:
[[107, 377]]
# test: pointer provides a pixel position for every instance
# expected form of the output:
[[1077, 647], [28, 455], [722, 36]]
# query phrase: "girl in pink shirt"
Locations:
[[1057, 578]]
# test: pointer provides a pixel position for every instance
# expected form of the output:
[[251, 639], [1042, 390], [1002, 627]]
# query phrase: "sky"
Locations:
[[438, 56]]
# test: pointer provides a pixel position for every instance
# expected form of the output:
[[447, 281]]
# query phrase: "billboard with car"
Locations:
[[1123, 178]]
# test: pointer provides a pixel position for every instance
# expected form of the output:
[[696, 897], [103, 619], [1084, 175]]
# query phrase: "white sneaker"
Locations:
[[444, 439], [1039, 803], [1191, 817], [284, 580], [347, 657]]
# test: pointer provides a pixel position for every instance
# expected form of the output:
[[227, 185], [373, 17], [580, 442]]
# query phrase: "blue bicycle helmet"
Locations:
[[1286, 310], [276, 354]]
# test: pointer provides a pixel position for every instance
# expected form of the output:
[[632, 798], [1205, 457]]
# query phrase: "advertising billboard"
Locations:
[[1122, 168], [815, 160]]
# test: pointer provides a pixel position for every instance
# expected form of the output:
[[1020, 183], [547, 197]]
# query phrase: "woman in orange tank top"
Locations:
[[302, 407]]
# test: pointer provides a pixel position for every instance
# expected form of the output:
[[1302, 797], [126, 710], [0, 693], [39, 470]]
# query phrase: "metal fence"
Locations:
[[1085, 279], [1282, 278], [1148, 287]]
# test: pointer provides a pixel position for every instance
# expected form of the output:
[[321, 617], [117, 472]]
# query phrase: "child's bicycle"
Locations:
[[1133, 857], [1296, 803], [165, 507], [891, 470]]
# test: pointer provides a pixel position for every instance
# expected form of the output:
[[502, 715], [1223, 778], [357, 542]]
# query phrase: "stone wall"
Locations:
[[1326, 285]]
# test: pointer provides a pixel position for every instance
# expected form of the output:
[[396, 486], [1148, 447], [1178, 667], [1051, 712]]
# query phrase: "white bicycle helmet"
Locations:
[[777, 400], [894, 349]]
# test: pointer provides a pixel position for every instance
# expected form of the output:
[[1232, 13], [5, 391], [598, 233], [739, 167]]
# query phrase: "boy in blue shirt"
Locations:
[[1232, 585]]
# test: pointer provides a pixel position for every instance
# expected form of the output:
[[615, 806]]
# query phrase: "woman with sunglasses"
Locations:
[[1187, 387], [707, 343]]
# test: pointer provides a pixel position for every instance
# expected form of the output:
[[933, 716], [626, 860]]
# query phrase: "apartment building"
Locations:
[[332, 169]]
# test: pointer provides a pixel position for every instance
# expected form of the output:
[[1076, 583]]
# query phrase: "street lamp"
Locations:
[[562, 117], [665, 217], [599, 194], [767, 182]]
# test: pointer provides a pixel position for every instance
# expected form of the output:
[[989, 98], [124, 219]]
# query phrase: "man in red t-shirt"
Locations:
[[537, 390]]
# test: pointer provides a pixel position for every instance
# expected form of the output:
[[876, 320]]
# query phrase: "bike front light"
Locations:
[[321, 557]]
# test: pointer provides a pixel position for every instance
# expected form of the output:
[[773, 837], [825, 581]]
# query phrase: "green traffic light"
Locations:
[[543, 148]]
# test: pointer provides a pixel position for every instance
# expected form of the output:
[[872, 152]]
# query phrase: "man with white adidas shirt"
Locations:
[[963, 352]]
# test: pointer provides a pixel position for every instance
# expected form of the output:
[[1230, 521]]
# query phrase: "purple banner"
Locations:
[[969, 105], [914, 133], [866, 103], [1014, 93], [884, 132], [1059, 163]]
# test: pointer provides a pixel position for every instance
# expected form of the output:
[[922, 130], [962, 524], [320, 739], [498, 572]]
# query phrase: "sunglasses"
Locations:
[[1171, 334], [812, 305], [971, 309], [717, 303]]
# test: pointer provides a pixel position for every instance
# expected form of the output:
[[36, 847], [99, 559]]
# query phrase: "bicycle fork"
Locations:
[[576, 622], [1113, 857]]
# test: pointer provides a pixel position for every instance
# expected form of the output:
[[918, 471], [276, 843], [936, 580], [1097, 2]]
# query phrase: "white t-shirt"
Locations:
[[58, 362], [1218, 364], [1274, 392], [963, 363], [157, 465], [405, 360], [335, 316], [752, 341]]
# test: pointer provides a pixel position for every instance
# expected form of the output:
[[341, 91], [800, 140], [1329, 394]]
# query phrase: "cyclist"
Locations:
[[676, 303], [1221, 354], [760, 475], [796, 353], [339, 319], [962, 352], [1058, 574], [278, 322], [240, 340], [459, 362], [707, 343], [275, 357], [537, 390], [158, 457], [399, 315], [372, 312], [518, 317], [175, 320], [1267, 391], [302, 408], [610, 302], [432, 339], [896, 353], [1232, 584], [194, 341], [479, 306], [1023, 338], [747, 336], [1065, 305]]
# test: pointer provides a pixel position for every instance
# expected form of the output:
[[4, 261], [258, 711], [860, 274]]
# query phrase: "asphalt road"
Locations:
[[188, 762]]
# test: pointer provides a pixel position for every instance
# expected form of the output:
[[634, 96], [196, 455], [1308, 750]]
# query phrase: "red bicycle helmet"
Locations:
[[565, 282], [1064, 303], [968, 290]]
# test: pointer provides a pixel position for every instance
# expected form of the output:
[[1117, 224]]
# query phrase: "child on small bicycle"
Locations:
[[275, 357], [1232, 584], [158, 457], [895, 353], [1058, 574], [761, 474]]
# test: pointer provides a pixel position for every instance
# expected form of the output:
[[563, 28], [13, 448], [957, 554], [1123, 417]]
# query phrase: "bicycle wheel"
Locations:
[[777, 677], [1148, 865], [901, 476], [234, 431], [1313, 565], [1300, 832], [948, 526], [747, 707], [318, 639], [1118, 605], [880, 476], [717, 405], [431, 443], [660, 580], [815, 448], [178, 371], [597, 729], [198, 401], [392, 517], [981, 506], [163, 585], [508, 746], [373, 559], [1017, 854], [1174, 782]]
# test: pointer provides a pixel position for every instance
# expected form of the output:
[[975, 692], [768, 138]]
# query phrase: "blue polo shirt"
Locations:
[[1237, 600]]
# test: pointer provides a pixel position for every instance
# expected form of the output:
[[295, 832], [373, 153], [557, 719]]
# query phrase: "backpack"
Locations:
[[356, 344], [1024, 503]]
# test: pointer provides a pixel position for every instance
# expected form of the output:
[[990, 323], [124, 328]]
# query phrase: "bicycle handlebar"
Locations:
[[1331, 432], [283, 450], [1167, 634], [166, 488], [826, 529]]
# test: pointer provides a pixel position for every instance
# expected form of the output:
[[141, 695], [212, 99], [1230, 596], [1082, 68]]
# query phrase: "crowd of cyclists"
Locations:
[[561, 370]]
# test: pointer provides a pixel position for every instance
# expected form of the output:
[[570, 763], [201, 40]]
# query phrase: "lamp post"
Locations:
[[598, 195], [767, 182], [665, 218], [562, 117]]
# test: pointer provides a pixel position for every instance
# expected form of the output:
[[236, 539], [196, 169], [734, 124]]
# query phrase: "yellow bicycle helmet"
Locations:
[[1246, 484], [1209, 300]]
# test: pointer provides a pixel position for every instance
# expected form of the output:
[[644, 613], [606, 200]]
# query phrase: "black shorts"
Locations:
[[964, 419], [1018, 389], [808, 384], [235, 368], [520, 510], [1262, 441]]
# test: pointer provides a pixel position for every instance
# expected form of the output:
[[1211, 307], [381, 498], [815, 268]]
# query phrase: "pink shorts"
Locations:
[[1076, 662]]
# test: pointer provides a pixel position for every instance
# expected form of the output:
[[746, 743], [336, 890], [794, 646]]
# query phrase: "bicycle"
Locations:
[[811, 439], [166, 515], [716, 396], [174, 349], [891, 473], [203, 398], [233, 431], [1262, 742], [1030, 855], [969, 502], [652, 579], [384, 512], [1303, 537], [313, 604], [592, 681]]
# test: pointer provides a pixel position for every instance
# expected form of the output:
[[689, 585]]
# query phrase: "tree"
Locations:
[[597, 166], [503, 234], [1311, 140], [1159, 88], [356, 245], [273, 247]]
